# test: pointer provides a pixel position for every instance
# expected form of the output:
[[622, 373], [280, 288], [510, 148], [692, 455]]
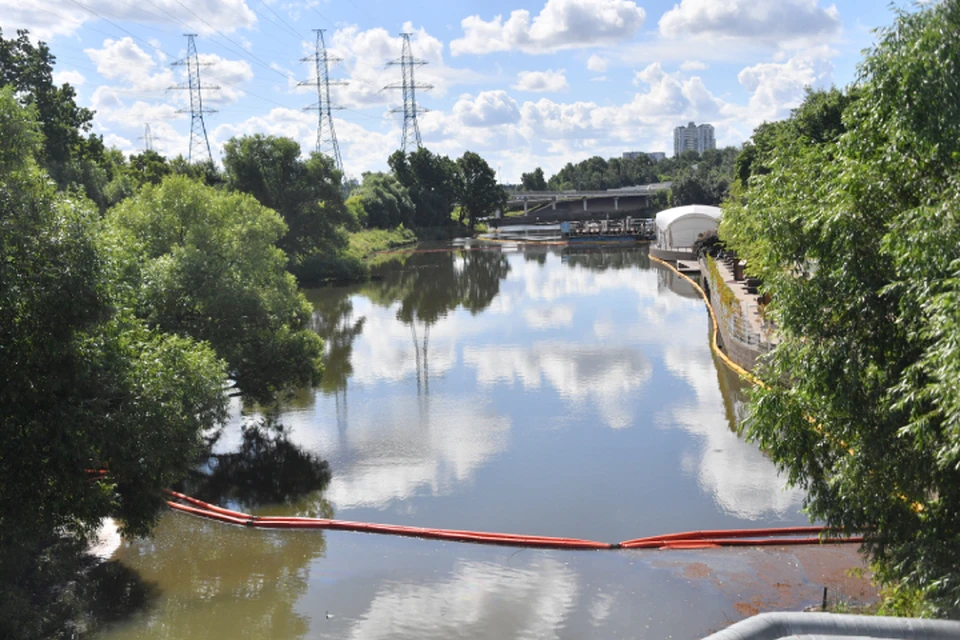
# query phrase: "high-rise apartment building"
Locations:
[[693, 138]]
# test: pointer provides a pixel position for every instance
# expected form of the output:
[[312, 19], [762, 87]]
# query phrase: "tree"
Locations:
[[478, 193], [29, 69], [854, 225], [84, 384], [385, 202], [148, 167], [432, 181], [306, 193], [202, 263], [534, 181]]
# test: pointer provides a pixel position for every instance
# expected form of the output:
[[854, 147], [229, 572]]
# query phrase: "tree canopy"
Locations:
[[84, 383], [203, 263], [850, 212]]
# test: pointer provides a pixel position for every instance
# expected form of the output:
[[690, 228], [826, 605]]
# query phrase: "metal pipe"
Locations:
[[829, 626]]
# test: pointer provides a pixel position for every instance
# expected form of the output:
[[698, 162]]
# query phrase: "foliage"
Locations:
[[306, 193], [383, 202], [432, 182], [851, 215], [477, 189], [85, 384], [534, 181], [29, 69], [201, 262], [727, 297]]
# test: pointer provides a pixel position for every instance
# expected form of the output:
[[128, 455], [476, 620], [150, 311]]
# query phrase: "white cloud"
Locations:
[[75, 78], [693, 65], [548, 80], [777, 88], [489, 108], [365, 56], [562, 24], [597, 63], [121, 59], [48, 18], [770, 21]]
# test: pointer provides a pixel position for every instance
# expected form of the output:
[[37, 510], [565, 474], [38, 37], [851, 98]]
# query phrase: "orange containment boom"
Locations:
[[688, 540]]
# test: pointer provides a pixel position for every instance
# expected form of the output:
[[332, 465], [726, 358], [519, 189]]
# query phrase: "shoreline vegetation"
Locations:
[[135, 290]]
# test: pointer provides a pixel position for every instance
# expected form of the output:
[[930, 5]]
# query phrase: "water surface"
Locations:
[[554, 392]]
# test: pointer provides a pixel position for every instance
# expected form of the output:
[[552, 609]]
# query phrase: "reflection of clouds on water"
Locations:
[[387, 352], [605, 374], [394, 449], [742, 480], [559, 315], [478, 599]]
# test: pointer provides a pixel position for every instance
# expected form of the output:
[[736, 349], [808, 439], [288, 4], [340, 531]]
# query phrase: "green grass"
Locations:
[[365, 244]]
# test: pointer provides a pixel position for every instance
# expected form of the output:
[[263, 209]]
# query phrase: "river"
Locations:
[[548, 391]]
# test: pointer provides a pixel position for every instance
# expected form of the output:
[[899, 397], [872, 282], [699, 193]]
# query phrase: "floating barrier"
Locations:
[[687, 540]]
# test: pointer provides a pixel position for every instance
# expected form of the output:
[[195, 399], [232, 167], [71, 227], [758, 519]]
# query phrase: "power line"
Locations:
[[410, 108], [197, 126], [326, 136]]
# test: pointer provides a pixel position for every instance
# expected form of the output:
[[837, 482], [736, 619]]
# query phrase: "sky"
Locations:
[[522, 83]]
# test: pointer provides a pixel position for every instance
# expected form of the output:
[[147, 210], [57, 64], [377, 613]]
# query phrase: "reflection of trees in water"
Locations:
[[221, 581], [431, 285], [603, 258], [55, 589], [267, 469]]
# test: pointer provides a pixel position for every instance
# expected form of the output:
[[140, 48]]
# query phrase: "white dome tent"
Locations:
[[678, 228]]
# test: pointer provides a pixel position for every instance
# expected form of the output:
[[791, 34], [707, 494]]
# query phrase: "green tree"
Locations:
[[534, 181], [29, 69], [854, 225], [306, 193], [385, 202], [148, 167], [203, 263], [432, 181], [478, 192], [84, 384]]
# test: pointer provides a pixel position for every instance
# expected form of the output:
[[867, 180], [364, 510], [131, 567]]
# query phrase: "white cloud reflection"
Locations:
[[602, 374], [481, 598]]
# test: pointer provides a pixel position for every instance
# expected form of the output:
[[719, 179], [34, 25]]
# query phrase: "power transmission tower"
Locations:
[[198, 130], [326, 136], [147, 138], [410, 109]]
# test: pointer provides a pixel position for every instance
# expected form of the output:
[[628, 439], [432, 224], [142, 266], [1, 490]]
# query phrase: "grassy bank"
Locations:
[[365, 244]]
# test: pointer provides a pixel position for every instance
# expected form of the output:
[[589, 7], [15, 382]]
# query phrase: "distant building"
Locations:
[[656, 156], [693, 138]]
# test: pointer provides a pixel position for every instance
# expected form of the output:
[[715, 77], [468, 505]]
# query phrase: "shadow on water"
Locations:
[[56, 589]]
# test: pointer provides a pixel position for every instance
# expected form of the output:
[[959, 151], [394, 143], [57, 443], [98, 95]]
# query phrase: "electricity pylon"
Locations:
[[410, 108], [326, 135], [198, 130], [147, 138]]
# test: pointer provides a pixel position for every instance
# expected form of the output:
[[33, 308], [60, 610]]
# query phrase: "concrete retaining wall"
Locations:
[[743, 354]]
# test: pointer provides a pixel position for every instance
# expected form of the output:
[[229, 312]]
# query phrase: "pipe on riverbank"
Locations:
[[774, 626]]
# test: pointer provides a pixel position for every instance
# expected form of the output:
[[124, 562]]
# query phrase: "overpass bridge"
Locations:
[[638, 195]]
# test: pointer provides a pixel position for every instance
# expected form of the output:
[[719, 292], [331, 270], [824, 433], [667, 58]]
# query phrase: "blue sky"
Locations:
[[523, 83]]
